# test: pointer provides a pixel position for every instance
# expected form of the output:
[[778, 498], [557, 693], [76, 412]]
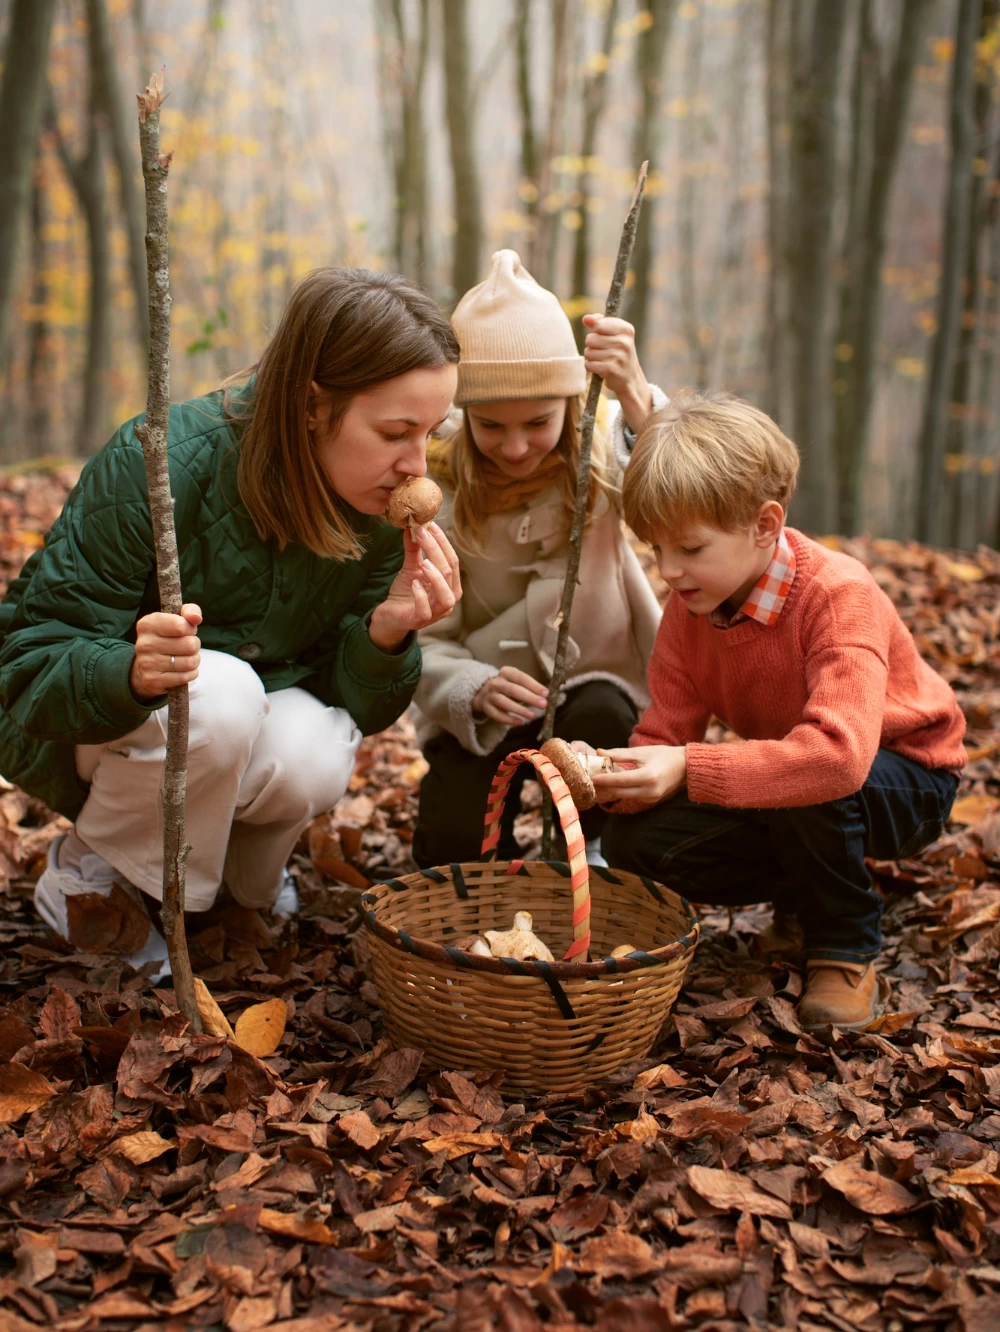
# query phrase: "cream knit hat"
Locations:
[[515, 338]]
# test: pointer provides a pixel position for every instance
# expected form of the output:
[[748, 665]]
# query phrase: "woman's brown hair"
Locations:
[[350, 330], [462, 472]]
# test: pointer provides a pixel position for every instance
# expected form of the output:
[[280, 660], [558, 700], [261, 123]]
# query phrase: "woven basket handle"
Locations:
[[569, 819]]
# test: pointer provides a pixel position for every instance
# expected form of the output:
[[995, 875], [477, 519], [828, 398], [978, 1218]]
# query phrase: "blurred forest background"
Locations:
[[821, 232]]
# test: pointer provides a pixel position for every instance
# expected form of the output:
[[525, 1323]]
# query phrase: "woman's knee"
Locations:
[[228, 707], [311, 748]]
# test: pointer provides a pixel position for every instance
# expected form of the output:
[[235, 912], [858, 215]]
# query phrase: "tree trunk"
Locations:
[[546, 236], [402, 75], [651, 57], [467, 204], [143, 35], [22, 102], [526, 106], [961, 461], [880, 115], [687, 209], [39, 330], [815, 89], [736, 337], [777, 344], [413, 232], [124, 144], [86, 175], [595, 97], [931, 447], [989, 382]]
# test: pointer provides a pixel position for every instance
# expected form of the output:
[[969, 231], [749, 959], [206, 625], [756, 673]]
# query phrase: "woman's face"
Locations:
[[517, 435], [382, 437]]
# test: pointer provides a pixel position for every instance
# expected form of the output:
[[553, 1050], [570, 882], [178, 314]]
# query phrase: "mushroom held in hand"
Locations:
[[574, 773], [414, 502], [519, 942]]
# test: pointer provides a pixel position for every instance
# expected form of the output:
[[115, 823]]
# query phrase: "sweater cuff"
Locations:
[[707, 771], [623, 438], [370, 665], [479, 735], [111, 692]]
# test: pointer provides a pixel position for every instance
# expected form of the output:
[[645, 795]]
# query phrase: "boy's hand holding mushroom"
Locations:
[[646, 773]]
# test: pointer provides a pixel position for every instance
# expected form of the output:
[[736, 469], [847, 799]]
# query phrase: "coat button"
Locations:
[[249, 651]]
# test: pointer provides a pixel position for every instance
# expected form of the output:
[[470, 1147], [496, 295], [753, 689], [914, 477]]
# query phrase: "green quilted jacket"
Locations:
[[67, 623]]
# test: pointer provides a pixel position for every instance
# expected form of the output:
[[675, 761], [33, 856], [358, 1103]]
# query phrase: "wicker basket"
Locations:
[[556, 1026]]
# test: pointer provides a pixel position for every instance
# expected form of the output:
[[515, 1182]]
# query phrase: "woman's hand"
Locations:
[[167, 652], [511, 698], [610, 352], [656, 772], [426, 589]]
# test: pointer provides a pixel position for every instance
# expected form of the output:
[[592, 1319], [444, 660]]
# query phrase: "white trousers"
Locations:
[[260, 767]]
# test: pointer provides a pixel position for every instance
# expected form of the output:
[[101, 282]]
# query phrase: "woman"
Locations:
[[300, 631], [509, 473]]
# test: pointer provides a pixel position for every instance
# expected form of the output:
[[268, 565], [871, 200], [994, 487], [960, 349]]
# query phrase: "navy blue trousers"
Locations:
[[809, 859]]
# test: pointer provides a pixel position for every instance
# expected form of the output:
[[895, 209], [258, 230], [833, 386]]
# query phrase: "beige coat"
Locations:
[[511, 595]]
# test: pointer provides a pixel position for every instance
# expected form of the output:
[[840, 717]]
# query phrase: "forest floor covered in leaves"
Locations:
[[744, 1175]]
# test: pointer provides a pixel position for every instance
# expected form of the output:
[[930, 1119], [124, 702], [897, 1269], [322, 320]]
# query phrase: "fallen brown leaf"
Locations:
[[259, 1029], [21, 1091]]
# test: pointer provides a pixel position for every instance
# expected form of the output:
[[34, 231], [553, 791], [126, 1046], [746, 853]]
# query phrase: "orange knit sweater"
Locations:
[[814, 696]]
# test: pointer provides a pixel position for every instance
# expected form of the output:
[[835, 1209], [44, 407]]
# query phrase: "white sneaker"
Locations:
[[95, 875], [286, 904], [594, 856]]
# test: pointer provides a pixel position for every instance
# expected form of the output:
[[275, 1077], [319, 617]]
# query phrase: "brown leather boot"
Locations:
[[839, 994]]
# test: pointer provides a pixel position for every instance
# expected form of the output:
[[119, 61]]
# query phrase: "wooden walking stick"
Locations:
[[153, 437], [587, 421]]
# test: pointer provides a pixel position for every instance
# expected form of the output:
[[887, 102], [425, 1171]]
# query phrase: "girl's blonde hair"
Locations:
[[706, 458], [460, 468], [349, 330]]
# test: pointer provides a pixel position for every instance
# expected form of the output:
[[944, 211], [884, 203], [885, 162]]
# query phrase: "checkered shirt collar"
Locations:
[[767, 597]]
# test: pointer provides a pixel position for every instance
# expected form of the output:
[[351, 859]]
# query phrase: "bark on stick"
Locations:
[[153, 437], [587, 421]]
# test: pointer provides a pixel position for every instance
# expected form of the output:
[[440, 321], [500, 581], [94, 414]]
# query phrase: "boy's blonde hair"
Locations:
[[706, 458]]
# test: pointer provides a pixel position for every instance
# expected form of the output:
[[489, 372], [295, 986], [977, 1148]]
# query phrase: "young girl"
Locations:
[[299, 634], [509, 476]]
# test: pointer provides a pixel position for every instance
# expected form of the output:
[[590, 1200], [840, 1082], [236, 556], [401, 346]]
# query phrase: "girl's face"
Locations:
[[382, 437], [517, 435]]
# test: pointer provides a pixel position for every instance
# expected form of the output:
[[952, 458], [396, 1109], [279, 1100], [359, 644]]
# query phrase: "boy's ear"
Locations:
[[770, 520]]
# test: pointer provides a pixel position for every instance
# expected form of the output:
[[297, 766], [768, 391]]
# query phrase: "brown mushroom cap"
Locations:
[[576, 777], [414, 502]]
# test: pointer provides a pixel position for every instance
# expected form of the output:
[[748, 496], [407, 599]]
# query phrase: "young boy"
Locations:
[[851, 744]]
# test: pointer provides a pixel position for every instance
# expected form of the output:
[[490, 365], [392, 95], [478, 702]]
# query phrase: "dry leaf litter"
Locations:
[[287, 1170]]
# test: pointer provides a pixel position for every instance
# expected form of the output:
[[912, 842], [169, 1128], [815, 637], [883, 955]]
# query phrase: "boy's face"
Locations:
[[706, 566]]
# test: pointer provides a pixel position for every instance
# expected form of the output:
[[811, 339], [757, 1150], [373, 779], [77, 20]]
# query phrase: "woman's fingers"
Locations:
[[436, 556], [438, 588]]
